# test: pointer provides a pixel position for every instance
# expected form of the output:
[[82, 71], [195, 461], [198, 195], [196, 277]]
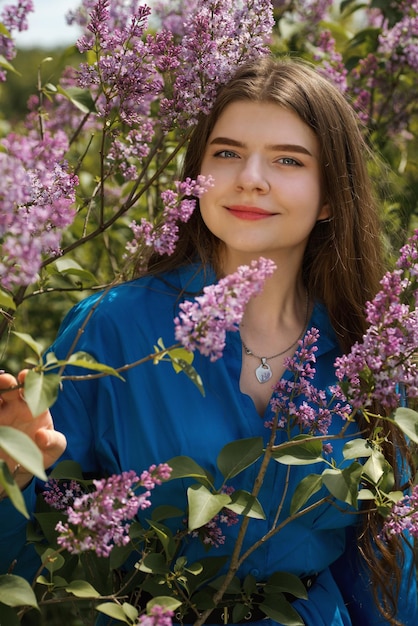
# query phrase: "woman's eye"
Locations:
[[226, 154], [288, 161]]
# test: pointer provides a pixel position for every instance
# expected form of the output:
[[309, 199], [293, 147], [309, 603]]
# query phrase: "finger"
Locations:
[[9, 384], [51, 443]]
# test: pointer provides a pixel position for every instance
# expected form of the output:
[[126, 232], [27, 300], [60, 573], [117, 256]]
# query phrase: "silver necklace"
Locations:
[[263, 372]]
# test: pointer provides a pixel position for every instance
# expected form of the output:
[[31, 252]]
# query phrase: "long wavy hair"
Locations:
[[342, 265]]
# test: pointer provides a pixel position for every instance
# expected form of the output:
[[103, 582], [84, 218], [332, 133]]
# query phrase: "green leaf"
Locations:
[[285, 582], [375, 466], [280, 610], [305, 489], [301, 451], [189, 370], [186, 467], [41, 391], [37, 347], [82, 589], [236, 456], [130, 611], [165, 511], [16, 591], [6, 301], [154, 563], [11, 488], [365, 494], [165, 535], [407, 420], [357, 449], [114, 611], [21, 448], [8, 66], [180, 354], [52, 560], [165, 601], [70, 268], [69, 470], [203, 505], [81, 98], [86, 361], [244, 503], [344, 484]]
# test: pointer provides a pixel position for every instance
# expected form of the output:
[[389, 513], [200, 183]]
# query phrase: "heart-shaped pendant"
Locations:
[[263, 371]]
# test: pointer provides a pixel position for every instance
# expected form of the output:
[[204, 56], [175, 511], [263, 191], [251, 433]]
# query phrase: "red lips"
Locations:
[[248, 212]]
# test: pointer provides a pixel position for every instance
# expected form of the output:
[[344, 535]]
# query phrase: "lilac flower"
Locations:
[[163, 236], [386, 359], [13, 18], [36, 203], [98, 520], [399, 44], [296, 402], [203, 323], [403, 517], [218, 36], [158, 616]]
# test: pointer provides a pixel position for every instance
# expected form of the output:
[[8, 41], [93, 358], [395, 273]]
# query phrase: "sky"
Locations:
[[47, 25]]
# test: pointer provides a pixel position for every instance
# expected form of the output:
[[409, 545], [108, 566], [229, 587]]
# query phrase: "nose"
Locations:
[[252, 175]]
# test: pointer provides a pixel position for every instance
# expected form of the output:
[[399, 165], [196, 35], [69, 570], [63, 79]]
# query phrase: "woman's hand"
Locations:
[[14, 412]]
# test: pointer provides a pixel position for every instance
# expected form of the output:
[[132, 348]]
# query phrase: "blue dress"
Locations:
[[155, 414]]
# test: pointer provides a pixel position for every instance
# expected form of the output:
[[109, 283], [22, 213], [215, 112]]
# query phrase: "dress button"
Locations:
[[255, 572]]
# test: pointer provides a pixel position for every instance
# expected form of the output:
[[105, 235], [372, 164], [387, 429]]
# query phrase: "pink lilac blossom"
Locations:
[[99, 520], [218, 36], [158, 616], [399, 43], [297, 403], [403, 517], [202, 324], [331, 63], [14, 18], [384, 364], [163, 236], [37, 194]]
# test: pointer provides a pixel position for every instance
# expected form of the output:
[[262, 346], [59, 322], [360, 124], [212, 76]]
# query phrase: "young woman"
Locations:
[[291, 185]]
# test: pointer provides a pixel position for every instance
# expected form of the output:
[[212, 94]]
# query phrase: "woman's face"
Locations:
[[267, 195]]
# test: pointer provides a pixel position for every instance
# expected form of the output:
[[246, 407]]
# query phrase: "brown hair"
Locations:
[[342, 265]]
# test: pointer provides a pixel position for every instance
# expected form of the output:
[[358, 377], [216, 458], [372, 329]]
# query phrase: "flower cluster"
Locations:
[[158, 616], [98, 520], [403, 517], [296, 402], [216, 37], [202, 324], [178, 207], [37, 193], [13, 18], [384, 364]]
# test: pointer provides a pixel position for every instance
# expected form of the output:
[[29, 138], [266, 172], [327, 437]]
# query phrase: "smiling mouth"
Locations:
[[249, 212]]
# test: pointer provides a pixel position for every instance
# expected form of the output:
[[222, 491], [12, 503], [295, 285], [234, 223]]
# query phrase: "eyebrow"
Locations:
[[290, 147]]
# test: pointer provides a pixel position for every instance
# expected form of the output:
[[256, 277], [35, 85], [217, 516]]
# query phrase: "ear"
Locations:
[[324, 213]]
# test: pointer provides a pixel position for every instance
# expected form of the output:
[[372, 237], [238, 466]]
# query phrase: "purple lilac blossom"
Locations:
[[218, 36], [386, 360], [403, 517], [14, 18], [202, 324], [157, 616], [177, 208], [37, 194], [99, 520], [297, 403]]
